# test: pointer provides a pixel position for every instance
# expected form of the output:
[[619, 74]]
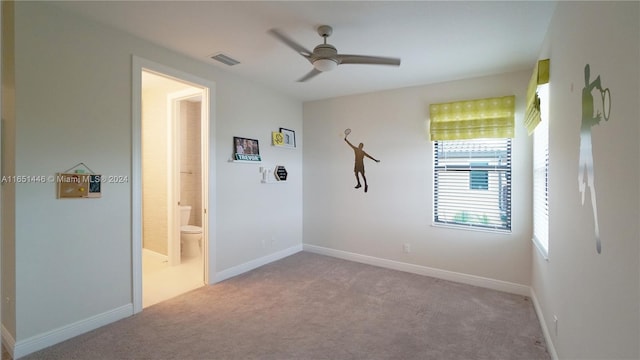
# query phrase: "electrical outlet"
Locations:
[[406, 248], [555, 324]]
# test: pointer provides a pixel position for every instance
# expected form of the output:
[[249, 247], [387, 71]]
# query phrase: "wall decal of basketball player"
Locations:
[[589, 119], [358, 167]]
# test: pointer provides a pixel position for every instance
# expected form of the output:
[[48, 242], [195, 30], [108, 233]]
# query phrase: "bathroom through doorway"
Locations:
[[174, 183]]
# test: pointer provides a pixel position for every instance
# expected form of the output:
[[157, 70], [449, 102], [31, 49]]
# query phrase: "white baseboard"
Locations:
[[543, 324], [499, 285], [155, 254], [38, 342], [256, 263]]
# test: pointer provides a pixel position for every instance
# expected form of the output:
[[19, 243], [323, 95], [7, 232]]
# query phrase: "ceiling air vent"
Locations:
[[225, 59]]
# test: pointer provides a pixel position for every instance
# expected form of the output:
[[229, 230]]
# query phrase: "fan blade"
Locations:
[[371, 60], [309, 75], [289, 42]]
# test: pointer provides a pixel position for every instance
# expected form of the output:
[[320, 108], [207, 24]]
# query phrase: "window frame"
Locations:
[[540, 185], [473, 158]]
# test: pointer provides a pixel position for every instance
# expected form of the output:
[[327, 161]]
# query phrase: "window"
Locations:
[[472, 183], [541, 174], [479, 179]]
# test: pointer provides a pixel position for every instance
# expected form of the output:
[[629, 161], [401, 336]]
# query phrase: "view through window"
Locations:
[[472, 183]]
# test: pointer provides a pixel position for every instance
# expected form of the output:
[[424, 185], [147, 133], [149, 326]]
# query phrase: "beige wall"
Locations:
[[68, 60], [398, 207], [8, 168], [595, 297], [79, 255]]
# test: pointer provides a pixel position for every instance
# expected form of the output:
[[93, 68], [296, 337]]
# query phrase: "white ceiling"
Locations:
[[437, 40]]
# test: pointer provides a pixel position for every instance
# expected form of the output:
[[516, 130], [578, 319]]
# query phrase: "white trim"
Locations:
[[544, 252], [49, 338], [256, 263], [136, 182], [2, 206], [8, 341], [471, 228], [156, 255], [543, 324], [488, 283], [207, 133], [173, 181]]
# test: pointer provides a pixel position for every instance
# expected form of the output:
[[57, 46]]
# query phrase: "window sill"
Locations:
[[544, 252], [244, 161], [470, 228]]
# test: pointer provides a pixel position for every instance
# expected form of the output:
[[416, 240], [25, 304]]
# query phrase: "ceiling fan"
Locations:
[[325, 57]]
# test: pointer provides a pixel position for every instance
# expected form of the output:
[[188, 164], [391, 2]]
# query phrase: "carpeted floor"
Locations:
[[5, 354], [310, 306]]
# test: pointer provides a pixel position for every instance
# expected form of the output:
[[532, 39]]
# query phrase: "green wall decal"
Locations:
[[590, 118], [358, 168]]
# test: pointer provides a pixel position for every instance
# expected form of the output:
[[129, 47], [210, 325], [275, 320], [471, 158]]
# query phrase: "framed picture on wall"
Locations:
[[246, 149], [289, 137]]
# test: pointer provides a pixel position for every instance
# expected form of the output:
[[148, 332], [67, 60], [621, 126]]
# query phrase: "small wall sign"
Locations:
[[246, 149], [289, 138], [277, 138], [281, 173], [78, 185]]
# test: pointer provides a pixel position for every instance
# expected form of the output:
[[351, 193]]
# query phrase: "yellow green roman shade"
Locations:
[[473, 119], [540, 76]]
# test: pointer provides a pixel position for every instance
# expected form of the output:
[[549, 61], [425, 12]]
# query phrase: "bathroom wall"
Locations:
[[154, 170], [190, 159], [155, 132]]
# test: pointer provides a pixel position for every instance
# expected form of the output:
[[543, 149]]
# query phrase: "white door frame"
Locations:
[[2, 204], [208, 161]]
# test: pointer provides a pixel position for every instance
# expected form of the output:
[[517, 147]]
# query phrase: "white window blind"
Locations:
[[472, 183], [541, 174]]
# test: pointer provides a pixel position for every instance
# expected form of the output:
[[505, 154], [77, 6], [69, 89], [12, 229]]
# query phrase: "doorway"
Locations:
[[171, 244]]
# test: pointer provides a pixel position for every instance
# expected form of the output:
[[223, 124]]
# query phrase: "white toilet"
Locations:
[[190, 235]]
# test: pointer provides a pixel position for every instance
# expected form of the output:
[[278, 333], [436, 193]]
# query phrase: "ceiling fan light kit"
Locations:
[[325, 64], [325, 56]]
